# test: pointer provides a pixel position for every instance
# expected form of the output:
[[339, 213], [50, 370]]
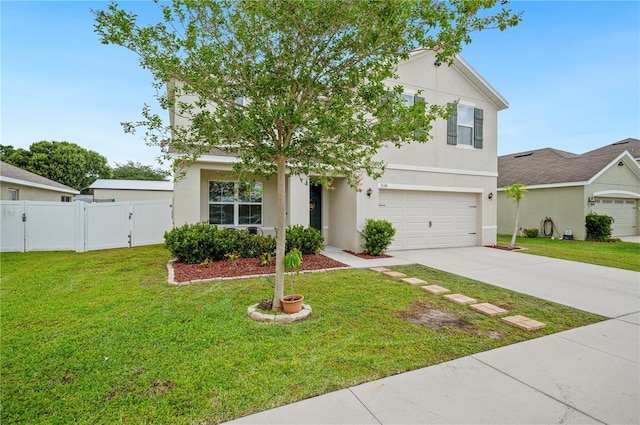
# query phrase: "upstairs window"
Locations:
[[464, 126], [235, 203]]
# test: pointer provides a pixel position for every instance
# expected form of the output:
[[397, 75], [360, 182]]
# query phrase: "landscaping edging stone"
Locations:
[[278, 317]]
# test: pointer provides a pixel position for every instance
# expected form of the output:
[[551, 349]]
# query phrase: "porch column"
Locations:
[[298, 202]]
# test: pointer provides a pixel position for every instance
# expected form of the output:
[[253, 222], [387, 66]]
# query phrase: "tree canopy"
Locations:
[[293, 87], [137, 171], [63, 162]]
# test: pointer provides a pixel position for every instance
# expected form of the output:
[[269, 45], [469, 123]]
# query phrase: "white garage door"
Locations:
[[430, 219], [624, 214]]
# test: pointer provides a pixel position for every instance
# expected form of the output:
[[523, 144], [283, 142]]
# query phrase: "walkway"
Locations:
[[585, 375]]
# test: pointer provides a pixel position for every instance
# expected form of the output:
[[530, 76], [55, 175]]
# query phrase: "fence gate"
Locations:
[[78, 226]]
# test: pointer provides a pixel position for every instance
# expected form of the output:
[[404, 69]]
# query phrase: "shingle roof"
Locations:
[[12, 173], [552, 166], [132, 185]]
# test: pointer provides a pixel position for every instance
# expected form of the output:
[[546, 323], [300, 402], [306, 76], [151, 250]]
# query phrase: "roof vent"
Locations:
[[624, 142], [524, 154]]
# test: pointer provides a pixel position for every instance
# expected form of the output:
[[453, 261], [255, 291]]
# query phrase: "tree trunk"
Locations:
[[280, 232], [515, 229]]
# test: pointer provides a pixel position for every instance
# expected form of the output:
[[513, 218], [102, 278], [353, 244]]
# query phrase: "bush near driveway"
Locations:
[[100, 337]]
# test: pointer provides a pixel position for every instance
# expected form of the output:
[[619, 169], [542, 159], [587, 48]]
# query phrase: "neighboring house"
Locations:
[[437, 194], [566, 187], [17, 184], [131, 190]]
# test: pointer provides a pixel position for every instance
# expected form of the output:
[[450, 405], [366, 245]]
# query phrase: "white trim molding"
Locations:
[[551, 185], [421, 188], [441, 170], [617, 194], [4, 179]]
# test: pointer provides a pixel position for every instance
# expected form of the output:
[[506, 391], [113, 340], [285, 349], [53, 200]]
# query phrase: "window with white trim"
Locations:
[[13, 195], [464, 126], [235, 203], [65, 198]]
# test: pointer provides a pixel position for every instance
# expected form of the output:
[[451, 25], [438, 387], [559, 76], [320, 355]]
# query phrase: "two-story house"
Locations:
[[436, 194]]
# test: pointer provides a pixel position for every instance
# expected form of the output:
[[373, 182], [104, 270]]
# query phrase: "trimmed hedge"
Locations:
[[531, 233], [307, 239], [194, 243], [598, 227], [377, 235]]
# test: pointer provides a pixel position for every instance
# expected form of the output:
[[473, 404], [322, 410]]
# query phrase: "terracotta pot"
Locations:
[[292, 303]]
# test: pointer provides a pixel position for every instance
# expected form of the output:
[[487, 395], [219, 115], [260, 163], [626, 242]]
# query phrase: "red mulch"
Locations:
[[365, 255], [504, 247], [245, 267]]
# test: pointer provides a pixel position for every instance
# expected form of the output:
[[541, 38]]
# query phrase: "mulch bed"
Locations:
[[245, 267], [366, 256], [504, 247]]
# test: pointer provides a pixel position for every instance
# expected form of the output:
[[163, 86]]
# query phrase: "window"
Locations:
[[464, 126], [65, 198], [235, 204], [13, 194]]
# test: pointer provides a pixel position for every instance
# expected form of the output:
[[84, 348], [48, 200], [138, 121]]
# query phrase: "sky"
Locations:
[[570, 72]]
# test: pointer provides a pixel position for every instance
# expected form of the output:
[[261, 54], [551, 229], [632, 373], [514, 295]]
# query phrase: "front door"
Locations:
[[315, 206]]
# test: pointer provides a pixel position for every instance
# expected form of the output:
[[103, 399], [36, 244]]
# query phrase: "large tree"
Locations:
[[137, 171], [64, 162], [311, 75]]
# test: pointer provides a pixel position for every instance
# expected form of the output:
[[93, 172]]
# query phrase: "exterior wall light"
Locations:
[[369, 192], [591, 200], [490, 195]]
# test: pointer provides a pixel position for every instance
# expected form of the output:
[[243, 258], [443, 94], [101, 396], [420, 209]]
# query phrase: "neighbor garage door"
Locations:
[[430, 219], [624, 214]]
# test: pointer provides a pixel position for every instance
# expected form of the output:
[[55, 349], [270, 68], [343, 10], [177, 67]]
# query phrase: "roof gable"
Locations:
[[552, 166]]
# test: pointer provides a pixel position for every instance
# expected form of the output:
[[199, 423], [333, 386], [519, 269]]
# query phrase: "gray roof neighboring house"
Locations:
[[12, 174], [110, 184], [552, 166]]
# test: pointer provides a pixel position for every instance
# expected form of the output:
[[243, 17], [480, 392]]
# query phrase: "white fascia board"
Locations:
[[422, 188], [551, 185], [635, 165], [217, 159], [468, 71], [37, 185], [441, 170]]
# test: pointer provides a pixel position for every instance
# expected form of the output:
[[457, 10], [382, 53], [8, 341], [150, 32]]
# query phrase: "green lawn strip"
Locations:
[[620, 255], [100, 337]]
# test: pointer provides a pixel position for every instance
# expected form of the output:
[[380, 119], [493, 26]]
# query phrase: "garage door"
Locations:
[[430, 219], [624, 214]]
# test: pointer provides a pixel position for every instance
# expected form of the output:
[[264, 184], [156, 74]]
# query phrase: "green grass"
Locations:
[[620, 255], [100, 337]]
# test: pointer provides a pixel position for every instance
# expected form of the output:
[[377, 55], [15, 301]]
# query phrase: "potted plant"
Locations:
[[292, 303]]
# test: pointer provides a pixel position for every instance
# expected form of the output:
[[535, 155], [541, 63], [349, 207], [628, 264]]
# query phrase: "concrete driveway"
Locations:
[[585, 375]]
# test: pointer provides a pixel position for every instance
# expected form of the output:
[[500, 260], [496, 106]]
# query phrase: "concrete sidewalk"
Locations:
[[585, 375]]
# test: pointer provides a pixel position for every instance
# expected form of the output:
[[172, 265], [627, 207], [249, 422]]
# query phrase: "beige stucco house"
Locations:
[[565, 187], [131, 190], [17, 184], [438, 194]]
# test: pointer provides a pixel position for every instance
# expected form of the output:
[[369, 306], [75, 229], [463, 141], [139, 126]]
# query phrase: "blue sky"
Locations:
[[570, 71]]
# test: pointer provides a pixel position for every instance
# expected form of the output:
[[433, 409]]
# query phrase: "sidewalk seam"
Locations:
[[538, 390], [365, 406]]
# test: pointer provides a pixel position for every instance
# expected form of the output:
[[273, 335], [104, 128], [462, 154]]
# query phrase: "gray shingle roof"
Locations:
[[553, 166], [30, 179]]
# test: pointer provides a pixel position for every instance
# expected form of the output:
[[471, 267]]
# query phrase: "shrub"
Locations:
[[308, 240], [195, 243], [598, 227], [531, 233], [377, 235]]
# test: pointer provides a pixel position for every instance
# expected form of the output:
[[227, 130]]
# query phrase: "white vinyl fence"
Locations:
[[79, 226]]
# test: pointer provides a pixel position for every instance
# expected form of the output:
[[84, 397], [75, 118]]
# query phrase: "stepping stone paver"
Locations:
[[379, 269], [461, 299], [414, 281], [523, 322], [392, 273], [435, 289], [488, 309]]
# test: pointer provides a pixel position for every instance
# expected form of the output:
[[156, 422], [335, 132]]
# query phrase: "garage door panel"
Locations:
[[453, 218], [624, 212]]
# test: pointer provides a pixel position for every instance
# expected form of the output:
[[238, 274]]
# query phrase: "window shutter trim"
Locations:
[[477, 128], [452, 126]]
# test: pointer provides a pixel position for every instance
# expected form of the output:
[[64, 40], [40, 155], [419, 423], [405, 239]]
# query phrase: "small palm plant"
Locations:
[[516, 192], [292, 262]]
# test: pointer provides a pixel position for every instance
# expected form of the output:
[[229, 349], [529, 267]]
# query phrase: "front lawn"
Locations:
[[100, 337], [620, 255]]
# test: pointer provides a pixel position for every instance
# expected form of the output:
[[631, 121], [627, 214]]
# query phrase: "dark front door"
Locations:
[[315, 206]]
